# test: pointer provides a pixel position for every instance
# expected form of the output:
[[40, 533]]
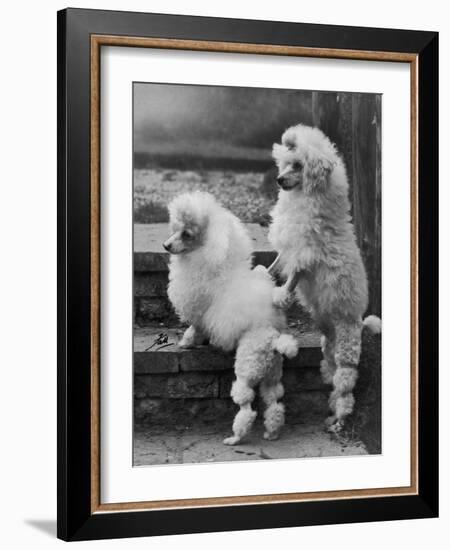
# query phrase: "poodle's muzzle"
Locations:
[[281, 181], [290, 176], [287, 183], [174, 244], [182, 241]]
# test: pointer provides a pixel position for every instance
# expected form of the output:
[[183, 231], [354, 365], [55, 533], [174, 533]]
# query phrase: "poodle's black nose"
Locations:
[[280, 181], [166, 246]]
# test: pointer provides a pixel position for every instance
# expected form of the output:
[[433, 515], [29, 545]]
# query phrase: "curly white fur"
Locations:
[[213, 288], [373, 323], [312, 232]]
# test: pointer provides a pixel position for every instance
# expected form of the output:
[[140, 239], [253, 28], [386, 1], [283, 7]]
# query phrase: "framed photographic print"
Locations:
[[247, 255]]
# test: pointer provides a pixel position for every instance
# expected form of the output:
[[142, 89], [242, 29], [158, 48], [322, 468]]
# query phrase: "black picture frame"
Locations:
[[76, 520]]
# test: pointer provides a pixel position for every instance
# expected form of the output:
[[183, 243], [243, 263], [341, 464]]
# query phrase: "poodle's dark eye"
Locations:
[[297, 165], [186, 234]]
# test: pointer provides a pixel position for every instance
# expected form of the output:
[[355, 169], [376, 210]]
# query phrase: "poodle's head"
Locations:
[[305, 159], [199, 223], [189, 220]]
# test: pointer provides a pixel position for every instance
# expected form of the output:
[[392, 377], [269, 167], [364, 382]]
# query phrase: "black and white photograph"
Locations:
[[257, 274], [221, 275]]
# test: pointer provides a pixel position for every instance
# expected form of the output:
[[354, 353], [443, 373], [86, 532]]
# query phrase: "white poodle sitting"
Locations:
[[318, 255], [213, 288]]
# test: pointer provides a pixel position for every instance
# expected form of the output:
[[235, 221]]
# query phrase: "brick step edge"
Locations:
[[149, 255], [217, 384], [212, 411], [167, 357]]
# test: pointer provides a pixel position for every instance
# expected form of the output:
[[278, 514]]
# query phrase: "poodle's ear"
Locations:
[[317, 171], [278, 152], [289, 138], [218, 240]]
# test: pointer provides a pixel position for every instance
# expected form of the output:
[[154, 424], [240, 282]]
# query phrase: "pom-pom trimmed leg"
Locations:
[[243, 396], [274, 413]]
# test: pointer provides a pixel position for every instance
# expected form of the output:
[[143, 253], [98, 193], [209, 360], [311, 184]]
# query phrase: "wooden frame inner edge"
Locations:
[[110, 40]]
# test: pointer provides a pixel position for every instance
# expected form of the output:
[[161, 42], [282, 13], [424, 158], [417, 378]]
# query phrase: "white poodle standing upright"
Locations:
[[213, 288], [318, 255]]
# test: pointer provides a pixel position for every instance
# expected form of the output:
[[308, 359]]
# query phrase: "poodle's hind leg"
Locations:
[[328, 365], [271, 392], [192, 337], [347, 354], [243, 395]]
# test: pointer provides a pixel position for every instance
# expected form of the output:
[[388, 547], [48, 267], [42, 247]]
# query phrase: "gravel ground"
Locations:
[[194, 444], [240, 192]]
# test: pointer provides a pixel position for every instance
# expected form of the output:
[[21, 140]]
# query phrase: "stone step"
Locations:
[[151, 357], [173, 383], [150, 256]]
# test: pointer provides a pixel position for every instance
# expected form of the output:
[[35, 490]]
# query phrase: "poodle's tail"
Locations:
[[373, 323], [286, 344]]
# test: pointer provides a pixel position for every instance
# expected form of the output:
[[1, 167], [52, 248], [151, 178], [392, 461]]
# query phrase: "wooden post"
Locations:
[[332, 113], [366, 123], [353, 122]]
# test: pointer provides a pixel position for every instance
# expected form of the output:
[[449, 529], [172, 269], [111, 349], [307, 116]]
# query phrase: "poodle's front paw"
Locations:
[[281, 297], [189, 339], [233, 440], [192, 338], [261, 269], [263, 272], [186, 342]]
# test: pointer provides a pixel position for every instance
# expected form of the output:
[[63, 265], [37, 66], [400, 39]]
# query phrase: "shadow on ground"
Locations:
[[46, 526]]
